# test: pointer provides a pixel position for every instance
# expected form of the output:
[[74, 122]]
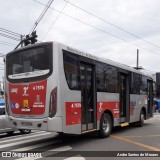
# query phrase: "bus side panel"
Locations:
[[55, 123], [108, 101], [69, 102], [136, 103]]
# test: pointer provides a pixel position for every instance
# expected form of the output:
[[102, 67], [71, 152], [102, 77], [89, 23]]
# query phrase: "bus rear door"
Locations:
[[150, 99], [88, 97], [124, 97]]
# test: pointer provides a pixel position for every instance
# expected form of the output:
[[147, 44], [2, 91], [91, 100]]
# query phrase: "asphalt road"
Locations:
[[128, 140]]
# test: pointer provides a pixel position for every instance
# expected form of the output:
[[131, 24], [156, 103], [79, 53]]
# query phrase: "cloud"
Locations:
[[138, 17]]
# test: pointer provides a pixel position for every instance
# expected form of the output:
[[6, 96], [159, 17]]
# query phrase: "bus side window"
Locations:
[[71, 69]]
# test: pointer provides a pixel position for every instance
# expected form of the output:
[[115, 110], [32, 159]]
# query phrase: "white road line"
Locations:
[[47, 153], [22, 142], [31, 136], [61, 149], [36, 146], [15, 136], [78, 157]]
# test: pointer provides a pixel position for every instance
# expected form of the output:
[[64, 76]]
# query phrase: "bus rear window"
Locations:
[[28, 63]]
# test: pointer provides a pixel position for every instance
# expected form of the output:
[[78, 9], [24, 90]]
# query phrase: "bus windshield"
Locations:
[[28, 63]]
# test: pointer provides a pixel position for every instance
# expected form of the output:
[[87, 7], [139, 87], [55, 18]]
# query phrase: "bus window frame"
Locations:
[[46, 46]]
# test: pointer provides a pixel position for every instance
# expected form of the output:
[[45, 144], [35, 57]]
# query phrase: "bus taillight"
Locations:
[[53, 103]]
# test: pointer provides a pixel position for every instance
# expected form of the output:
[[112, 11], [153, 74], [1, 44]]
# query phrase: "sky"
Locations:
[[113, 29]]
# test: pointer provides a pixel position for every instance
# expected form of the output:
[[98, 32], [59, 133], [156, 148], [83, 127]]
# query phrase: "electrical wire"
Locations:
[[99, 29], [10, 32], [55, 20], [11, 37], [16, 36], [113, 24], [41, 15]]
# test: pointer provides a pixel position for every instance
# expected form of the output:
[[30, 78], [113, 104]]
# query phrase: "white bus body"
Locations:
[[53, 87]]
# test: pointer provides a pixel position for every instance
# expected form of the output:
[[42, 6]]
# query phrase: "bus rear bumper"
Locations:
[[55, 124], [45, 124]]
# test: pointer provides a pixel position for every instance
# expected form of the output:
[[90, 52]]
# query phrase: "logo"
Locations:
[[14, 90], [25, 89], [38, 99], [100, 107], [12, 105], [17, 105], [116, 105], [25, 103], [6, 154]]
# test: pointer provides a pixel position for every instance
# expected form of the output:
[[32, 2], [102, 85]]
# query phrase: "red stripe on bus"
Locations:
[[28, 98], [73, 113], [111, 106], [74, 116]]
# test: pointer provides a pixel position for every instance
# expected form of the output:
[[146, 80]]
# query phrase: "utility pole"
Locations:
[[137, 66], [21, 38], [137, 58]]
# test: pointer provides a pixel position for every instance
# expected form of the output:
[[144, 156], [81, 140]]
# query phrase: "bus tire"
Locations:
[[25, 131], [61, 134], [10, 133], [141, 119], [105, 126]]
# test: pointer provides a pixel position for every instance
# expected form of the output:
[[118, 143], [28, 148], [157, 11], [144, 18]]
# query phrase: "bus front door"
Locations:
[[87, 76], [124, 98]]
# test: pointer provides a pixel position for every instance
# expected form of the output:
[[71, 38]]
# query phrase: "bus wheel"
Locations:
[[10, 133], [141, 121], [61, 133], [25, 131], [105, 126]]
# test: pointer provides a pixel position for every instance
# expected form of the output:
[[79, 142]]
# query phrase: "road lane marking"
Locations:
[[36, 146], [136, 143], [61, 149], [22, 135], [155, 119], [21, 142], [78, 157], [28, 136], [48, 153], [141, 136]]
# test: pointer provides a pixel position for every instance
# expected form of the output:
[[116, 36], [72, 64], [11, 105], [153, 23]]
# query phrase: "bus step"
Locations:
[[88, 131], [124, 124]]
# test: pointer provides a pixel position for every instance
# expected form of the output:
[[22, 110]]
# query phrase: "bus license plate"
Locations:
[[26, 123]]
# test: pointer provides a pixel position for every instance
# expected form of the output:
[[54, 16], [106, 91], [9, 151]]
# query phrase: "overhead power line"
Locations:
[[112, 24], [99, 29], [7, 43], [41, 15], [10, 32], [55, 20], [8, 36]]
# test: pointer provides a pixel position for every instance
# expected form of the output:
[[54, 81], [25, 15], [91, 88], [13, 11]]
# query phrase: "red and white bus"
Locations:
[[53, 87]]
